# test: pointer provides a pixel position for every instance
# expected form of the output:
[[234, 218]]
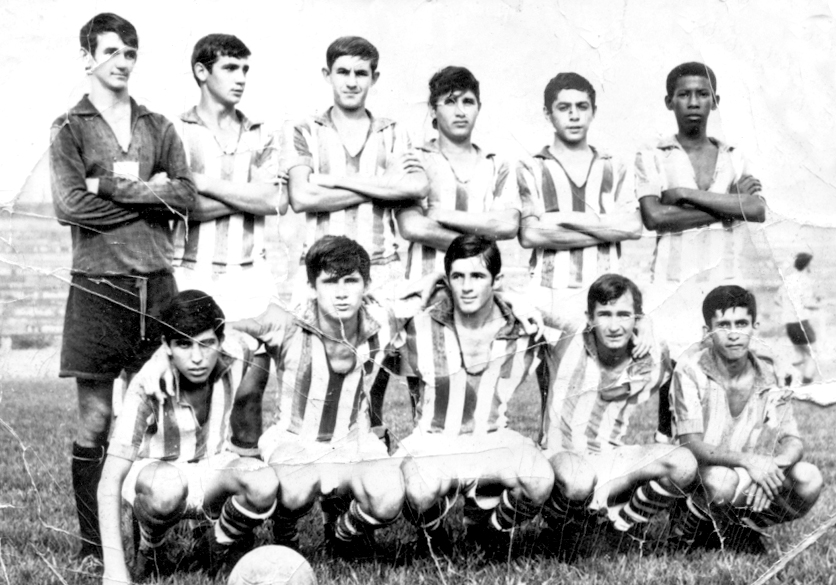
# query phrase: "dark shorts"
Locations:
[[801, 333], [102, 324]]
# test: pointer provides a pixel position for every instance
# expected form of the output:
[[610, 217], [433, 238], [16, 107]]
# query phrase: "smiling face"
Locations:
[[351, 78], [472, 285], [225, 81], [731, 333], [614, 323], [455, 114], [691, 102], [195, 357], [339, 298], [112, 62], [571, 115]]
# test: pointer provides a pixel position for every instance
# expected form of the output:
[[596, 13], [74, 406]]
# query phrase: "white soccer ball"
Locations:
[[272, 565]]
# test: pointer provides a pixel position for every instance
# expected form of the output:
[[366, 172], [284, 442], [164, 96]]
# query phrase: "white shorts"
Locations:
[[241, 291], [196, 474], [280, 446]]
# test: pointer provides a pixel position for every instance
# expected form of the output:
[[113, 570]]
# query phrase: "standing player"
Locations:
[[803, 301], [119, 176], [578, 204], [587, 412], [235, 164], [731, 411], [166, 459], [470, 188], [464, 358], [348, 169]]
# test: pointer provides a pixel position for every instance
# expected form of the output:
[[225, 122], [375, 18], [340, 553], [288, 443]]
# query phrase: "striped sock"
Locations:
[[511, 512], [690, 519], [236, 521], [332, 508], [559, 509], [647, 500], [431, 519], [355, 523], [152, 527]]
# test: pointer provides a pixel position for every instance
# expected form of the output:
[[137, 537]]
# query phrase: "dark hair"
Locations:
[[727, 297], [470, 245], [190, 313], [353, 47], [107, 22], [611, 287], [212, 47], [449, 80], [802, 260], [337, 255], [691, 69], [563, 81]]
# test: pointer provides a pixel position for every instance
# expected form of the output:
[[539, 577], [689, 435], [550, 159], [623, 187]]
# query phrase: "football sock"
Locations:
[[431, 519], [511, 512], [86, 471], [559, 509], [332, 508], [152, 526], [285, 531], [647, 500], [236, 521], [689, 520], [355, 522]]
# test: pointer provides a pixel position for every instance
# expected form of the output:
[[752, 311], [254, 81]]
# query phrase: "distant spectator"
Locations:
[[803, 300]]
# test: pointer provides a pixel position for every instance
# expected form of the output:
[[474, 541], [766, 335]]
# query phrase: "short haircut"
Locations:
[[353, 47], [690, 69], [727, 297], [212, 47], [802, 260], [88, 37], [611, 287], [470, 245], [190, 313], [563, 81], [339, 256], [449, 80]]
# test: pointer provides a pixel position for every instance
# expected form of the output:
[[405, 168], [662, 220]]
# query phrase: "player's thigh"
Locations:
[[227, 474]]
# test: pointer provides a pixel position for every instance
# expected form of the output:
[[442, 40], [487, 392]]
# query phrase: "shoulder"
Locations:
[[694, 365]]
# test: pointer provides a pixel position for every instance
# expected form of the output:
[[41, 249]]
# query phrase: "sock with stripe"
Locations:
[[332, 508], [647, 500], [152, 526], [511, 512], [559, 510], [237, 522], [355, 523], [431, 519], [689, 520]]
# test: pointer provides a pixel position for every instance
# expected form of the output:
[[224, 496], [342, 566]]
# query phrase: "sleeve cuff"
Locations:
[[688, 427], [298, 161]]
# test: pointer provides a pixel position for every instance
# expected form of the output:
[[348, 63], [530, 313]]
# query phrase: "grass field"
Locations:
[[38, 526]]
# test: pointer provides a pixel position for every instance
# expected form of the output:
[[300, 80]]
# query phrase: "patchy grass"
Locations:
[[38, 526]]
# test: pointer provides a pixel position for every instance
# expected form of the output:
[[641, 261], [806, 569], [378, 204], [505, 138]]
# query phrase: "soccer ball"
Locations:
[[272, 565]]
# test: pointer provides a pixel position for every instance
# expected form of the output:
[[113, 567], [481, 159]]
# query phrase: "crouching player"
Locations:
[[598, 386], [166, 458], [731, 412], [463, 359], [321, 444]]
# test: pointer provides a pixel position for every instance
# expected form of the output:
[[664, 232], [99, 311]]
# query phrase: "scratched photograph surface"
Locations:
[[775, 66]]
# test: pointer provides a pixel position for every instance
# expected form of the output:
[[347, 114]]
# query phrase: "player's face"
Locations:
[[731, 332], [339, 298], [351, 78], [226, 81], [570, 115], [456, 114], [195, 357], [615, 322], [692, 102], [112, 62], [472, 285]]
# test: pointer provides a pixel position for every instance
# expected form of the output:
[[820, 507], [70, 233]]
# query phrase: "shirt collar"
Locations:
[[86, 108], [708, 363], [545, 153], [672, 143], [513, 329], [431, 146], [309, 321], [191, 116], [377, 125]]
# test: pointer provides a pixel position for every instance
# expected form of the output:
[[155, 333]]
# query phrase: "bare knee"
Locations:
[[573, 476], [258, 487], [383, 491], [719, 483], [681, 468], [806, 481], [537, 482], [296, 491], [94, 411], [422, 487], [162, 489]]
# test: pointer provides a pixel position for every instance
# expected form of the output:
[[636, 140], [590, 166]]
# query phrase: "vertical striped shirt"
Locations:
[[170, 431], [315, 143], [700, 405], [546, 187], [449, 399], [587, 411], [314, 401], [680, 255], [233, 240], [488, 189]]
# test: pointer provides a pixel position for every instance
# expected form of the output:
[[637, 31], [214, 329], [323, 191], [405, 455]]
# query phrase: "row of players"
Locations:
[[737, 466], [121, 177]]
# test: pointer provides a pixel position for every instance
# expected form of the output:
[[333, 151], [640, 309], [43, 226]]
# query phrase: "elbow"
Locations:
[[411, 232], [651, 222], [757, 213], [300, 203], [505, 231], [527, 240]]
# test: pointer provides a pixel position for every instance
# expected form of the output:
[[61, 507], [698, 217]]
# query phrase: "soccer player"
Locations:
[[598, 386], [731, 411], [167, 460], [235, 164], [803, 301], [463, 359], [348, 169], [470, 188], [578, 204], [119, 176]]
